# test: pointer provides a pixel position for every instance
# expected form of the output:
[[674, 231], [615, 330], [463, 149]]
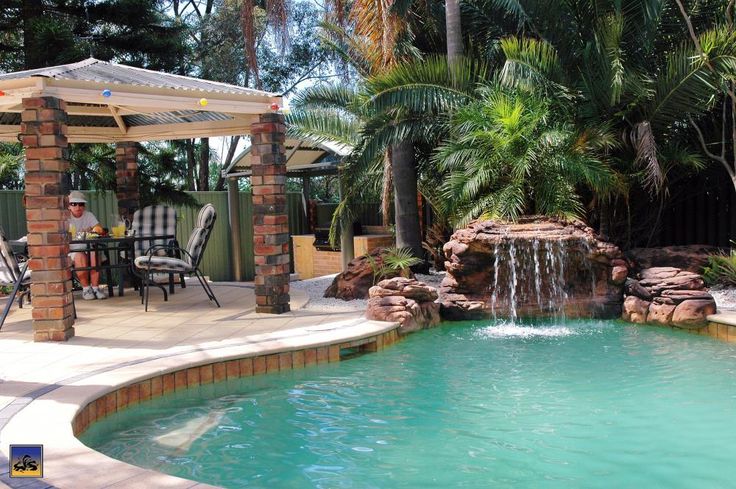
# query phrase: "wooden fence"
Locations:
[[216, 262]]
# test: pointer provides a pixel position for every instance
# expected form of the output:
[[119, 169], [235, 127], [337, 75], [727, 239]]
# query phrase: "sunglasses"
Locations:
[[75, 204]]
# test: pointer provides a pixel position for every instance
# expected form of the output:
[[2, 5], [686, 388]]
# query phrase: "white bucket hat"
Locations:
[[77, 197]]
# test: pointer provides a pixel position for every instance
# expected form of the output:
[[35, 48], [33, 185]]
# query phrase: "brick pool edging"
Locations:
[[194, 375]]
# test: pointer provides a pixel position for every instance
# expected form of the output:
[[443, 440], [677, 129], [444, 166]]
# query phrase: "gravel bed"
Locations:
[[315, 289]]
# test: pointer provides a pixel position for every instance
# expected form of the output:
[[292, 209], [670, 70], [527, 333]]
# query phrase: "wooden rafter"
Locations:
[[118, 119]]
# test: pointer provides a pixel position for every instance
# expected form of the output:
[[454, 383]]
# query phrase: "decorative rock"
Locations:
[[693, 313], [635, 310], [561, 267], [359, 277], [660, 313], [619, 274], [691, 258], [633, 287], [678, 298], [407, 301]]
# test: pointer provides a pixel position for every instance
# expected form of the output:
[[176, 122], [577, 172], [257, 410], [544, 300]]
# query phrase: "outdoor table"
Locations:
[[124, 246]]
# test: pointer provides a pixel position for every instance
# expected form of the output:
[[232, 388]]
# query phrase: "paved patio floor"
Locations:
[[117, 331]]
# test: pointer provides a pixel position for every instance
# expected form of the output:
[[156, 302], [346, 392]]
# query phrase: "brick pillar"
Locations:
[[126, 177], [43, 131], [270, 218]]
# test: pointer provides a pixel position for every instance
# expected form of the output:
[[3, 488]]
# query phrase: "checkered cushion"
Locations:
[[206, 217], [150, 221], [163, 264], [195, 246]]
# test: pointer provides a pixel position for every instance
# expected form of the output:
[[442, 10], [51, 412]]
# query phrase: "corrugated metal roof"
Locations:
[[303, 156], [94, 70]]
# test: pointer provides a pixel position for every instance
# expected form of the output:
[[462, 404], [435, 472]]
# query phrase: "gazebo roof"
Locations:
[[142, 105], [303, 157]]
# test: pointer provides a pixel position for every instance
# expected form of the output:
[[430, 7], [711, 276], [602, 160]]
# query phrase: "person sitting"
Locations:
[[82, 220]]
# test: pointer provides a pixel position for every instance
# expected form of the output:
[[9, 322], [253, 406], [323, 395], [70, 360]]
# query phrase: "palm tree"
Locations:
[[453, 28], [628, 63], [511, 153]]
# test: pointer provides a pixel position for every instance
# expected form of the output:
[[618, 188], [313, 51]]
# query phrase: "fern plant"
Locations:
[[394, 260]]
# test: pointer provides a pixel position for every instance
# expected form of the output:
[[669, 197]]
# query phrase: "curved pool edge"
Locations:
[[56, 417]]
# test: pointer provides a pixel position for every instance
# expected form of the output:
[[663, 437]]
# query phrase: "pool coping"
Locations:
[[55, 414]]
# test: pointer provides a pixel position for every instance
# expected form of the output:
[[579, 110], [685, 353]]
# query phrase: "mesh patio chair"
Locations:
[[11, 274], [156, 220], [153, 262]]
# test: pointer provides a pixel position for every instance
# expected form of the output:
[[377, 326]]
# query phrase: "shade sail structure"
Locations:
[[108, 103], [303, 157]]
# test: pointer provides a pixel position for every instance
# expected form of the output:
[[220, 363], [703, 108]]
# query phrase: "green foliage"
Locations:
[[511, 153], [11, 166], [721, 269], [393, 260]]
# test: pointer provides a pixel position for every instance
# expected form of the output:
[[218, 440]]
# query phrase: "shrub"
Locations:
[[721, 269]]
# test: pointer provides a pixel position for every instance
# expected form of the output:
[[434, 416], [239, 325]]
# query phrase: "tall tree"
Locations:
[[130, 31], [453, 30]]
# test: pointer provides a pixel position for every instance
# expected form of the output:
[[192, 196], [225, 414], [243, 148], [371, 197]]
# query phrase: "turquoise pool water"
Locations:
[[587, 404]]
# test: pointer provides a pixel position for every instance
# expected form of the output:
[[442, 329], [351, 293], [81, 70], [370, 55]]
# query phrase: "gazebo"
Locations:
[[304, 159], [99, 102]]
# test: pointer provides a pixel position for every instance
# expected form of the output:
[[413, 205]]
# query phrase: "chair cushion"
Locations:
[[206, 217], [195, 246], [163, 263], [150, 221]]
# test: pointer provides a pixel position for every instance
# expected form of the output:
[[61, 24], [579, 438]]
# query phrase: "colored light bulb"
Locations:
[[106, 92]]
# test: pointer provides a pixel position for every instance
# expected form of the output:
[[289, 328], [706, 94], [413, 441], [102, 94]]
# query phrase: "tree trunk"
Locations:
[[454, 30], [408, 234], [204, 165], [191, 163]]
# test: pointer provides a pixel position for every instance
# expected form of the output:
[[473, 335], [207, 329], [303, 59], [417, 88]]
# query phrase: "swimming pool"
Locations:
[[584, 404]]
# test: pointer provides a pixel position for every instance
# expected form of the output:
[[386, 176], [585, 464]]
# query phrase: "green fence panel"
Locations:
[[12, 214], [247, 257], [216, 261], [102, 204], [297, 225]]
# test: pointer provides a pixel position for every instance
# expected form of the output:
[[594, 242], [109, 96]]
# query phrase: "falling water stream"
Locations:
[[533, 273]]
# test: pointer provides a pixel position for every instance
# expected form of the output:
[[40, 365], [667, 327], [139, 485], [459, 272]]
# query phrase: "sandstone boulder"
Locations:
[[359, 277], [671, 297], [693, 313], [407, 301], [635, 310]]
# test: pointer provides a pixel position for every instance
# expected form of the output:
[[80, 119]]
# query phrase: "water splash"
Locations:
[[513, 330]]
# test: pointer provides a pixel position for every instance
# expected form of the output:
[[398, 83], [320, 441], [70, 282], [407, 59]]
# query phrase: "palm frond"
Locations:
[[322, 125], [690, 82]]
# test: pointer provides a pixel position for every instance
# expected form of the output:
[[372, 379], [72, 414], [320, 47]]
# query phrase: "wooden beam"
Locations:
[[119, 120]]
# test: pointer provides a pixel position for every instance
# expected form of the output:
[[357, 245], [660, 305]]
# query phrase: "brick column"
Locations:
[[270, 218], [126, 177], [43, 131]]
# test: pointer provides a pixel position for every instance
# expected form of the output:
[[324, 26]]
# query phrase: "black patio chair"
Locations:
[[11, 274], [153, 262]]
